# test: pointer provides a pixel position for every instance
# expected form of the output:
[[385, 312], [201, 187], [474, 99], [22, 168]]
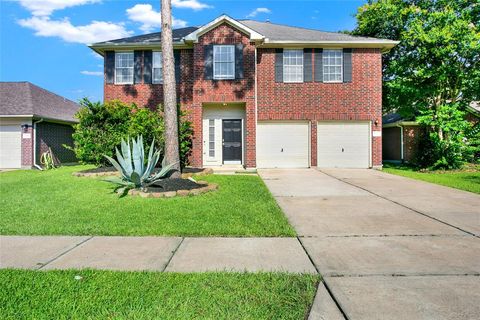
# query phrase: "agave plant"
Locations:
[[131, 165]]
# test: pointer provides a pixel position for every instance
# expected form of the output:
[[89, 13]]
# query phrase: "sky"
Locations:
[[45, 41]]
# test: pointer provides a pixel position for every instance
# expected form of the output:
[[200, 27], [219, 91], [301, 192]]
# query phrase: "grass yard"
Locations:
[[56, 203], [151, 295], [467, 179]]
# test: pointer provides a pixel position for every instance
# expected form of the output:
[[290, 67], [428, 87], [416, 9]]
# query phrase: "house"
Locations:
[[402, 136], [33, 121], [261, 94]]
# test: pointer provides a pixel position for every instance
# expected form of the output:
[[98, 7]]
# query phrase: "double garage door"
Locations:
[[287, 144]]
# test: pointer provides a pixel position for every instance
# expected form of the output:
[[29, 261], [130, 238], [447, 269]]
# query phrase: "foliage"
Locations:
[[434, 71], [46, 159], [102, 126], [131, 165]]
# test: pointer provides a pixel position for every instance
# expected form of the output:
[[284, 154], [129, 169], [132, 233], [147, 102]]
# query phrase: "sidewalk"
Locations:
[[169, 254]]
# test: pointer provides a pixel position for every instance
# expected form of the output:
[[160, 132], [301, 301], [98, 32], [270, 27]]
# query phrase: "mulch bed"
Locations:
[[174, 185]]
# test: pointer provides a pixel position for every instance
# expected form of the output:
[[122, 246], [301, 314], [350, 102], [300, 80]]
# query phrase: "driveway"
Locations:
[[388, 247]]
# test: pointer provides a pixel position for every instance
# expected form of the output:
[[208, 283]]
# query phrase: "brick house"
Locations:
[[33, 121], [261, 94]]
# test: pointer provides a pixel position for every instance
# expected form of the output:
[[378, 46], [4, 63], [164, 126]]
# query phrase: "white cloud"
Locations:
[[46, 7], [190, 4], [149, 18], [92, 73], [96, 31], [257, 11]]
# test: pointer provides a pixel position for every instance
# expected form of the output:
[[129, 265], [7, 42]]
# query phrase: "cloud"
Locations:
[[257, 11], [96, 31], [46, 7], [190, 4], [149, 18], [92, 73]]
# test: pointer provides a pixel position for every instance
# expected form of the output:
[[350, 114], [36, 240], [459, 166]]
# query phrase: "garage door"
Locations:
[[343, 145], [282, 145], [10, 146]]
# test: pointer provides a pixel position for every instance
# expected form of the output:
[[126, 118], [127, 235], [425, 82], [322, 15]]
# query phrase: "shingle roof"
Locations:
[[25, 98], [177, 35]]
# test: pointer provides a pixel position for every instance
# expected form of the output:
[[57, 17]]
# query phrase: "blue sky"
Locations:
[[44, 41]]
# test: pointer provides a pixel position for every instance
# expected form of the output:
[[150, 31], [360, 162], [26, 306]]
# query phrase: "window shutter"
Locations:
[[347, 65], [208, 62], [239, 61], [278, 65], [307, 65], [147, 66], [318, 65], [178, 71], [137, 66], [109, 66]]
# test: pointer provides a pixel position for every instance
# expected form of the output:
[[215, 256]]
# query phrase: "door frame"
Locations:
[[241, 142]]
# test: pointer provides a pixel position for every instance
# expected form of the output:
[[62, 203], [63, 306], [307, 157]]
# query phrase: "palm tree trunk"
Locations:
[[169, 90]]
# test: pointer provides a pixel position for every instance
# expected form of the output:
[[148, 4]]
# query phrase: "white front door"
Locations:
[[343, 144], [283, 144], [10, 146], [212, 142]]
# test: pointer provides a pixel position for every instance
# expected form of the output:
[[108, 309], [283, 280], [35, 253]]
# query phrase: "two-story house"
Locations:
[[261, 94]]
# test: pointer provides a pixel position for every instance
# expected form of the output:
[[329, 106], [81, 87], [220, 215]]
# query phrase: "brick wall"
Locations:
[[411, 139], [51, 137], [27, 147]]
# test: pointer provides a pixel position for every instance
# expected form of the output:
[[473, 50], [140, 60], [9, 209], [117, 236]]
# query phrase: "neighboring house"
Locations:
[[33, 121], [401, 136], [261, 94]]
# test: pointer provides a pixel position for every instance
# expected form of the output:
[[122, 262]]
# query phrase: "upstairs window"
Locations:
[[124, 67], [157, 68], [292, 65], [332, 65], [224, 62]]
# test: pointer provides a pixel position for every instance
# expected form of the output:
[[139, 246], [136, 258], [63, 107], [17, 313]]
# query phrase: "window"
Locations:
[[223, 62], [211, 138], [332, 65], [124, 67], [292, 65], [157, 67]]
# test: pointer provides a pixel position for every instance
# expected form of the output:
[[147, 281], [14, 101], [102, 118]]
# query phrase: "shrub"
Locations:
[[102, 126]]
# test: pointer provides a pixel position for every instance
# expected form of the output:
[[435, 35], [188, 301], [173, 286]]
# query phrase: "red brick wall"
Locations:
[[27, 148], [411, 139], [359, 100]]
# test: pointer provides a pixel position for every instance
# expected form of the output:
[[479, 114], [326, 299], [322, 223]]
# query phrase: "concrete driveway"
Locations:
[[388, 247]]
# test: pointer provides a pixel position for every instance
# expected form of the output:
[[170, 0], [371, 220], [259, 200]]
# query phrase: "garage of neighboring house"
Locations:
[[34, 121]]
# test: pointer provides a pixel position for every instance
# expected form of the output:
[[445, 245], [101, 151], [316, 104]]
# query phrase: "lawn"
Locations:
[[467, 179], [56, 203], [151, 295]]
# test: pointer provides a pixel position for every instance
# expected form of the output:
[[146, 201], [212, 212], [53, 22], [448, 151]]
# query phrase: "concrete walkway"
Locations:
[[388, 247]]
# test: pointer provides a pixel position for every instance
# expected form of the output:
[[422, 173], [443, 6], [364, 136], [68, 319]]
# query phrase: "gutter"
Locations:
[[35, 144], [402, 158]]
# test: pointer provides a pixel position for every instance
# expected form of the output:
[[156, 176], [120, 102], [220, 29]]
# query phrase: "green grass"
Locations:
[[467, 179], [152, 295], [55, 202]]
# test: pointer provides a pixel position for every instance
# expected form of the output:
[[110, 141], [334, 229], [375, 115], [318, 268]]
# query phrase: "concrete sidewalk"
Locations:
[[171, 254]]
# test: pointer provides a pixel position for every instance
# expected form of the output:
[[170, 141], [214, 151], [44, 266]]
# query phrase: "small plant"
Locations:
[[131, 165], [46, 159]]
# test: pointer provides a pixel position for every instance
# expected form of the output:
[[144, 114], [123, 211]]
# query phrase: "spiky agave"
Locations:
[[131, 165]]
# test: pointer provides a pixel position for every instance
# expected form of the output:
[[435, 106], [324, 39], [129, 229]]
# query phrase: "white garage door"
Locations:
[[10, 146], [282, 145], [343, 144]]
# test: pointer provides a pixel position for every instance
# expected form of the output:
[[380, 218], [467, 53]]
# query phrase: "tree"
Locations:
[[434, 73], [172, 154]]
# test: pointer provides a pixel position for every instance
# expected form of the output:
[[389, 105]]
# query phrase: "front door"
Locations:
[[232, 141]]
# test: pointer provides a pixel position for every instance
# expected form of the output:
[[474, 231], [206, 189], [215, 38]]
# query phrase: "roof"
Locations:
[[27, 99], [266, 33]]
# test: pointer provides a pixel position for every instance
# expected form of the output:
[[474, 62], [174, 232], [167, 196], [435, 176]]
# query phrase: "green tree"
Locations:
[[434, 73]]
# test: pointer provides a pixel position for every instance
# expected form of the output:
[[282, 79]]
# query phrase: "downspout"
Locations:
[[35, 144], [256, 105], [401, 142]]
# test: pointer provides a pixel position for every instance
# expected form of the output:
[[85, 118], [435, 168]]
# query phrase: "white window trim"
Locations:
[[223, 77], [153, 69], [341, 66], [133, 68], [283, 65]]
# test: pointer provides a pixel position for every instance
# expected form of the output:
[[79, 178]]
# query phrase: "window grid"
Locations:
[[157, 68], [211, 138], [332, 65], [224, 62], [292, 65], [124, 67]]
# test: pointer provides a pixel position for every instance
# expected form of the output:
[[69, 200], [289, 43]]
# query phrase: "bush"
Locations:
[[102, 126]]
